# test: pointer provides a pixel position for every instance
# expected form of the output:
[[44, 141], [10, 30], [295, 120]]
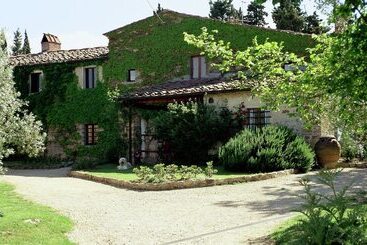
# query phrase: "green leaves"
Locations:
[[268, 149], [161, 173], [20, 131]]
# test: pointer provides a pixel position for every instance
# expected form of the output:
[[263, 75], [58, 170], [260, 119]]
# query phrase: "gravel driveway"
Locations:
[[234, 214]]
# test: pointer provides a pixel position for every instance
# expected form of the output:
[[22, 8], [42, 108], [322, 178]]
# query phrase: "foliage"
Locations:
[[159, 9], [352, 146], [190, 130], [19, 130], [255, 14], [62, 116], [313, 25], [288, 16], [330, 84], [4, 45], [334, 218], [111, 171], [266, 149], [161, 173], [26, 49], [39, 162], [51, 229], [209, 170], [17, 43], [168, 53], [221, 9], [62, 105]]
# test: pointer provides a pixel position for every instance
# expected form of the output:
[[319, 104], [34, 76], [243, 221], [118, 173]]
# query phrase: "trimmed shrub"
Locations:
[[266, 149]]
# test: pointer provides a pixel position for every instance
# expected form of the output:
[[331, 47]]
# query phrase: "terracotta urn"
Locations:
[[327, 151]]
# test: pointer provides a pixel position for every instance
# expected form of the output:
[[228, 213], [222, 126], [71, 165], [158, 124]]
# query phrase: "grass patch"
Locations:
[[110, 171], [24, 222]]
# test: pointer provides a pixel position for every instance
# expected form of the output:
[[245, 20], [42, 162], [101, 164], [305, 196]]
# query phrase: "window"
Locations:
[[132, 75], [198, 67], [89, 77], [255, 118], [91, 134], [35, 82]]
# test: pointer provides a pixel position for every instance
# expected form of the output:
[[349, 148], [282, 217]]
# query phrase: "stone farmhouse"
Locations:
[[152, 65]]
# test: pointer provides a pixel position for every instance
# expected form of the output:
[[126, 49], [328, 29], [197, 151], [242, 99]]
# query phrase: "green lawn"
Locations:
[[110, 171], [24, 222]]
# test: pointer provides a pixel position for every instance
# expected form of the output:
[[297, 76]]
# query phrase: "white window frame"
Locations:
[[130, 72]]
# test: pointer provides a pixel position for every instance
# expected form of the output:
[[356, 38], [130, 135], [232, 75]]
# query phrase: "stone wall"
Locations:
[[233, 100]]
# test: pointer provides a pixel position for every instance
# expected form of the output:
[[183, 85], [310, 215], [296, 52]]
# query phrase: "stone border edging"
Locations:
[[179, 184]]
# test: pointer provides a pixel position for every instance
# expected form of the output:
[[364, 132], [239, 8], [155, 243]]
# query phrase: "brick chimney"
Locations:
[[50, 43]]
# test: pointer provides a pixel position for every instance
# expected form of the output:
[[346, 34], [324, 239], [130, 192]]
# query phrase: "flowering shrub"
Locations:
[[160, 173]]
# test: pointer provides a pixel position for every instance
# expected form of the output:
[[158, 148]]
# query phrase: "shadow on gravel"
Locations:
[[287, 198], [47, 173]]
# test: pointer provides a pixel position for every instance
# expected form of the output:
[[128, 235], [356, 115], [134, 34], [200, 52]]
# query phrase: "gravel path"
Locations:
[[235, 214]]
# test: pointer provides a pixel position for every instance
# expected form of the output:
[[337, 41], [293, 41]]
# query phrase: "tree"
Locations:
[[26, 47], [17, 43], [222, 9], [239, 14], [331, 84], [19, 130], [4, 46], [288, 16], [313, 25], [255, 14], [159, 9]]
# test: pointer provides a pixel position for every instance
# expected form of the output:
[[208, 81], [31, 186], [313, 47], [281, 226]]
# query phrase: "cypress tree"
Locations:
[[17, 43], [255, 14], [288, 16], [222, 9], [26, 46]]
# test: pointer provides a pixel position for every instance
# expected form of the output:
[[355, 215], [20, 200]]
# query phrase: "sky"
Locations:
[[81, 23]]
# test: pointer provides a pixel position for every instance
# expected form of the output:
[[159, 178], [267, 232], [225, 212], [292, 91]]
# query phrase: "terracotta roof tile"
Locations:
[[60, 56], [187, 87]]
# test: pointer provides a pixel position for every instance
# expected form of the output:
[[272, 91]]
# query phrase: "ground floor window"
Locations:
[[256, 118], [91, 134]]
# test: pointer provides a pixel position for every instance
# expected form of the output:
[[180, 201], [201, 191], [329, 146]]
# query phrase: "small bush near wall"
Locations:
[[190, 130], [353, 146], [268, 149]]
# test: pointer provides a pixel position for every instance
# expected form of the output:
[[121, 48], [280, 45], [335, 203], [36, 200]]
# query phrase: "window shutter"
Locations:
[[203, 67], [195, 67]]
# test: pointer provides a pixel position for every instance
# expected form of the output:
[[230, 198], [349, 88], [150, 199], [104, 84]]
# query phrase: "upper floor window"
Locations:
[[90, 77], [35, 82], [198, 67], [91, 134], [132, 75]]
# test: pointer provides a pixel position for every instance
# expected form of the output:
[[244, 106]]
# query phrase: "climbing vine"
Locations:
[[62, 105], [158, 51]]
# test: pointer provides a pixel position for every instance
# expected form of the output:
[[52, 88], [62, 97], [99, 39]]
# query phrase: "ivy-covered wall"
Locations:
[[158, 51], [62, 105]]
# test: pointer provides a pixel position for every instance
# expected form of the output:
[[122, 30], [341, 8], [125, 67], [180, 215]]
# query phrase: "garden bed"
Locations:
[[127, 180]]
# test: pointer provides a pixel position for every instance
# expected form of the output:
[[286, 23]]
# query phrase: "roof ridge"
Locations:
[[208, 18], [55, 51]]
